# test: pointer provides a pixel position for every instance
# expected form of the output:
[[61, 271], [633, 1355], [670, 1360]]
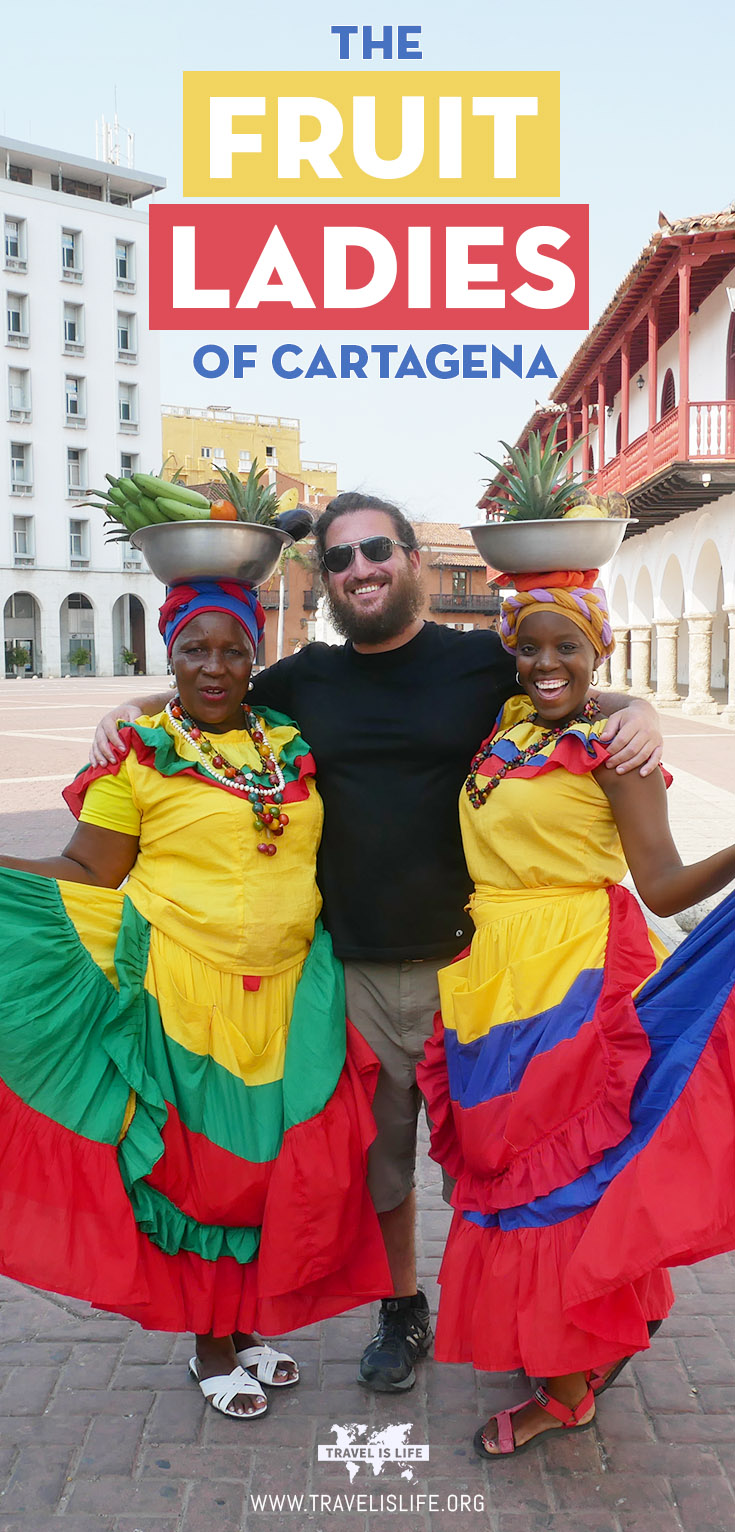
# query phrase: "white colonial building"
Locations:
[[650, 399], [80, 397]]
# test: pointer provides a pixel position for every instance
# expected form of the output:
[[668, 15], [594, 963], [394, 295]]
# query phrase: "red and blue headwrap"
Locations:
[[186, 601]]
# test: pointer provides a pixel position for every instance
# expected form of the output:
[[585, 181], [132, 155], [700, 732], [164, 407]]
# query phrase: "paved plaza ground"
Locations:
[[102, 1431]]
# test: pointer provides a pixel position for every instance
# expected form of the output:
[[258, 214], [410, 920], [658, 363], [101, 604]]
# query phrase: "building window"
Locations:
[[21, 476], [76, 402], [23, 545], [17, 319], [127, 405], [206, 452], [668, 393], [71, 255], [271, 457], [78, 554], [245, 462], [19, 393], [220, 454], [76, 472], [21, 173], [459, 582], [75, 188], [128, 464], [132, 558], [125, 266], [15, 244], [74, 329], [127, 340]]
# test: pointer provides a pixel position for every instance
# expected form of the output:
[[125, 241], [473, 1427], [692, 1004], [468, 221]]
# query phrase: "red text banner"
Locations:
[[272, 266]]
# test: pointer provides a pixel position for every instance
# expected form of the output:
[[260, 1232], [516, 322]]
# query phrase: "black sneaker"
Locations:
[[403, 1334]]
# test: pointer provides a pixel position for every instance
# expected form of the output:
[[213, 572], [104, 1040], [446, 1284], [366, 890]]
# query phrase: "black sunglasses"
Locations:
[[377, 549]]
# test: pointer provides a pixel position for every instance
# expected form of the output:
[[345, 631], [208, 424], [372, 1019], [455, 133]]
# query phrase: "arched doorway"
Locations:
[[76, 625], [668, 393], [22, 635], [128, 635], [730, 360]]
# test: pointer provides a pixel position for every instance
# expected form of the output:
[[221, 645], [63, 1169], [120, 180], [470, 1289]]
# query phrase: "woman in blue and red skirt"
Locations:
[[582, 1089]]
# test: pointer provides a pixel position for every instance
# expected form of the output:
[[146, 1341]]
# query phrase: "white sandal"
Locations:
[[263, 1360], [220, 1391]]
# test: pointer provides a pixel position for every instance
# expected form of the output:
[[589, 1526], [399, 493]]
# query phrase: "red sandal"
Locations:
[[564, 1413]]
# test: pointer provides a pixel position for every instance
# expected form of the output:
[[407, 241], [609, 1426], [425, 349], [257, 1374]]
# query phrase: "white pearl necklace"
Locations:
[[249, 786]]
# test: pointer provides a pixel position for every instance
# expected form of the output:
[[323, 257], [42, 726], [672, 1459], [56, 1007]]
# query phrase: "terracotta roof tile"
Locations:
[[442, 534], [469, 560]]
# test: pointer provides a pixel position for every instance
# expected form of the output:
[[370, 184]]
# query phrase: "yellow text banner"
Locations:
[[361, 134]]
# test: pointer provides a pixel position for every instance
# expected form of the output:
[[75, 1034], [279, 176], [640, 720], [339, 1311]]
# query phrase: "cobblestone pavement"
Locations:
[[102, 1431]]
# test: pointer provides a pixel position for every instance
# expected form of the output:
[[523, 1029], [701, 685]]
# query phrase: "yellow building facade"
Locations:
[[197, 441]]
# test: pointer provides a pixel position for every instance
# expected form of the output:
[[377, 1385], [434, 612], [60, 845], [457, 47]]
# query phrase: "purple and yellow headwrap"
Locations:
[[572, 593], [186, 601]]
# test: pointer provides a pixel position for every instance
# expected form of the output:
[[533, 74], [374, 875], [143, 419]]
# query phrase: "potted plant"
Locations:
[[129, 660], [18, 657], [79, 658]]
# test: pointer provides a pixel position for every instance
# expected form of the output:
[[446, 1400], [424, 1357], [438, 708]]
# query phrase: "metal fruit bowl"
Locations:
[[534, 547], [178, 551]]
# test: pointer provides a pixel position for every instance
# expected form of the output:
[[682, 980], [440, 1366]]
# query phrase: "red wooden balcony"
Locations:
[[664, 473]]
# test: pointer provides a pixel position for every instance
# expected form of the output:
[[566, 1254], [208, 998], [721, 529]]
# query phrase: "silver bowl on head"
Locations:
[[179, 551], [535, 547]]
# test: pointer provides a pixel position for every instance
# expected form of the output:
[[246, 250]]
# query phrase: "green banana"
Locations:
[[180, 510], [130, 491], [150, 509], [136, 518], [153, 487]]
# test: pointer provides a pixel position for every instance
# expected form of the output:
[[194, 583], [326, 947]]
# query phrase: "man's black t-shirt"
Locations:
[[392, 735]]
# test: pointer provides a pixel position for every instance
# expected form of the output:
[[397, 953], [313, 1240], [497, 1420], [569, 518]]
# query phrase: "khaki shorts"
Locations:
[[393, 1006]]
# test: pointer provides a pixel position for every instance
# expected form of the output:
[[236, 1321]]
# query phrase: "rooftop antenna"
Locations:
[[113, 144]]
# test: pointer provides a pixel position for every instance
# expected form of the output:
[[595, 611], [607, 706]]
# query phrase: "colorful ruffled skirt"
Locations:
[[177, 1144], [593, 1140]]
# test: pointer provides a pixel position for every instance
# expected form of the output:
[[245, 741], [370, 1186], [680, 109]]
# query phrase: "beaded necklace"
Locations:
[[479, 795], [266, 796]]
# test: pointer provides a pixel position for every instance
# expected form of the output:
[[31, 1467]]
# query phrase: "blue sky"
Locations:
[[646, 102]]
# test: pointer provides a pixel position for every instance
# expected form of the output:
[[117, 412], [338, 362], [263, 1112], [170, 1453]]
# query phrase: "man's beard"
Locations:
[[402, 607]]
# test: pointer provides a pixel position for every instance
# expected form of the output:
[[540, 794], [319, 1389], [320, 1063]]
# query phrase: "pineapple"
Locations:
[[253, 501], [536, 490]]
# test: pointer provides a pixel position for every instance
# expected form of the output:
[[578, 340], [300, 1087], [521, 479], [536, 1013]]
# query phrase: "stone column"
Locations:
[[729, 713], [104, 661], [603, 674], [700, 699], [667, 652], [640, 660], [619, 661], [50, 639]]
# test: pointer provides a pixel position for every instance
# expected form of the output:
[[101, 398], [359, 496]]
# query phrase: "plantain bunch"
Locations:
[[144, 500]]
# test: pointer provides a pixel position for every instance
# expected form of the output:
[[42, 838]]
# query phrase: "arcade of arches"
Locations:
[[674, 626], [23, 626]]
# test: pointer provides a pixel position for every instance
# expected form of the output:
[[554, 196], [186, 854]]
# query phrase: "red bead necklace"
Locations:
[[479, 795], [265, 796]]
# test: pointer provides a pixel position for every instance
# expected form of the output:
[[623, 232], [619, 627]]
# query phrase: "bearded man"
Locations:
[[393, 717]]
